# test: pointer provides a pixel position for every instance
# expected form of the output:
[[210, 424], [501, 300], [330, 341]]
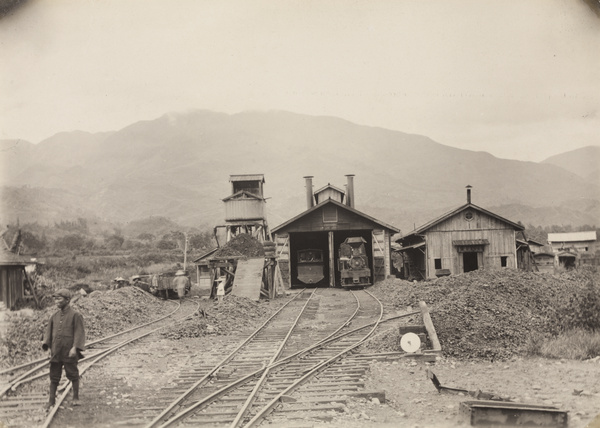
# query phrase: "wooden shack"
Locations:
[[544, 261], [12, 278], [465, 239], [329, 219]]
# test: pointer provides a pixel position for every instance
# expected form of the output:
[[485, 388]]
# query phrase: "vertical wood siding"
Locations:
[[282, 251], [244, 209], [500, 236], [11, 281]]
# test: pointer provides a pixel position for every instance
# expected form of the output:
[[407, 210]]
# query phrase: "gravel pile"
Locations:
[[104, 313], [487, 314], [235, 314], [242, 245]]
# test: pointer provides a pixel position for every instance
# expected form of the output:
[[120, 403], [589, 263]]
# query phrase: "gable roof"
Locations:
[[329, 186], [346, 207], [243, 194], [572, 236], [446, 216]]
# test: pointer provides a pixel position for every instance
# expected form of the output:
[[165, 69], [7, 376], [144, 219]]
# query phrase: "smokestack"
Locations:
[[469, 194], [350, 190], [309, 191]]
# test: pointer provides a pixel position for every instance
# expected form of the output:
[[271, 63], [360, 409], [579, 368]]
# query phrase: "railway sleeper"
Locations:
[[318, 408]]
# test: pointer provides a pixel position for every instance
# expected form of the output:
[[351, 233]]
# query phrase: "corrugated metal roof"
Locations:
[[471, 242], [247, 177], [572, 236]]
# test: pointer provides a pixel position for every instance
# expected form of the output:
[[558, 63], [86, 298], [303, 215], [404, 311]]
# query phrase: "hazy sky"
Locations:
[[517, 78]]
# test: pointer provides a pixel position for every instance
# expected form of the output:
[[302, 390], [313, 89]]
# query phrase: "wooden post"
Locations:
[[429, 327]]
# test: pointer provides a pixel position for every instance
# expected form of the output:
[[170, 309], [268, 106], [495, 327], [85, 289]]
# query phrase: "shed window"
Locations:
[[503, 261], [438, 263], [330, 214]]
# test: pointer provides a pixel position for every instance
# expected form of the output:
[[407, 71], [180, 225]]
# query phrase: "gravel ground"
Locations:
[[484, 362]]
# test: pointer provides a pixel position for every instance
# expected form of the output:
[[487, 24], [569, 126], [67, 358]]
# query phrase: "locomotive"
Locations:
[[353, 263], [311, 268]]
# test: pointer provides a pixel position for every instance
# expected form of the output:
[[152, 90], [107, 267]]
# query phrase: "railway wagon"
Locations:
[[353, 263]]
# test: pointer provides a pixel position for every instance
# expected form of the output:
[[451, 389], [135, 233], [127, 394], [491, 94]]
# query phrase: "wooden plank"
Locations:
[[248, 278], [429, 326]]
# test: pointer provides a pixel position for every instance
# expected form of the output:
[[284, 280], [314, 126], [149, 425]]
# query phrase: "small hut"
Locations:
[[13, 278]]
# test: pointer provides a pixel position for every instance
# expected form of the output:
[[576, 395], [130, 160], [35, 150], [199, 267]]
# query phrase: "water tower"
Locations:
[[245, 208]]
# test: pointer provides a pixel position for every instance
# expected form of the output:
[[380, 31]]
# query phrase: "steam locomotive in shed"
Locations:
[[353, 263]]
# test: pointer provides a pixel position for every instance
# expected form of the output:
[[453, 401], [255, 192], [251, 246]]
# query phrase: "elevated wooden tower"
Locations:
[[245, 208]]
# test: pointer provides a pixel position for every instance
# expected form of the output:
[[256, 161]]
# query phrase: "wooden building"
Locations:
[[462, 240], [574, 242], [544, 261], [329, 219], [12, 278]]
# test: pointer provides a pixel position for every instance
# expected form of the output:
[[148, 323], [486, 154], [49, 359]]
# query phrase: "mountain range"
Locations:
[[178, 166]]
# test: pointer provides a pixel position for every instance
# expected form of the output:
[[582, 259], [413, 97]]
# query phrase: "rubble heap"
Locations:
[[235, 314], [242, 245], [490, 314], [104, 313]]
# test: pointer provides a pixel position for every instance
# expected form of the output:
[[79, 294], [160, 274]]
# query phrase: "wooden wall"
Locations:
[[244, 209], [11, 284], [501, 238], [330, 217]]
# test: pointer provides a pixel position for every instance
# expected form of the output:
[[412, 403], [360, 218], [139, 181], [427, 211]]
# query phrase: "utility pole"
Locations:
[[185, 245]]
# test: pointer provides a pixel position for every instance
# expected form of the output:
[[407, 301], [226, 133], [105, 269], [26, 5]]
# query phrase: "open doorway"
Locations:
[[470, 262]]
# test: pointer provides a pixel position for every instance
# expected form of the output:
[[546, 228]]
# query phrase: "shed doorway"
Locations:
[[470, 262]]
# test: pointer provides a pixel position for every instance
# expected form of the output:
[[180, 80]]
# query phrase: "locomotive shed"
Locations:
[[330, 218]]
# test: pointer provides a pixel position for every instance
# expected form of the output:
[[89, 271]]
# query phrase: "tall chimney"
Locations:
[[469, 194], [309, 191], [350, 190]]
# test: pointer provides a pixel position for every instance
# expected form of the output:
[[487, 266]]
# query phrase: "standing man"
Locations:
[[180, 283], [65, 337]]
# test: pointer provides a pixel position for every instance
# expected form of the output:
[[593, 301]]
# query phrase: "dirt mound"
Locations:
[[234, 314], [242, 245], [103, 313], [488, 314]]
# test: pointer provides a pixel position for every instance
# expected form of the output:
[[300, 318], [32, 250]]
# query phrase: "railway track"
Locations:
[[21, 402], [247, 399]]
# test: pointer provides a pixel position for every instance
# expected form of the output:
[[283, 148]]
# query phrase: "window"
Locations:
[[468, 216], [438, 263], [330, 214], [503, 260]]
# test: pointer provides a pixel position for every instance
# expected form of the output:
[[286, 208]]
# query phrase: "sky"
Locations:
[[519, 79]]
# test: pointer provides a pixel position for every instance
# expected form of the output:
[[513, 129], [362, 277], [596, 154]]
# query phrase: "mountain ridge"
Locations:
[[178, 165]]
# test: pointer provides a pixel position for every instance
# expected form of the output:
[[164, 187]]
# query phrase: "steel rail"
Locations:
[[45, 359], [23, 378], [229, 387], [68, 386], [215, 395], [265, 373], [271, 405], [220, 365]]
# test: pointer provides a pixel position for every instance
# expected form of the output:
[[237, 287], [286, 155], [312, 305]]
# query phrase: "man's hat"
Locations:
[[179, 273], [135, 277], [119, 279], [63, 292]]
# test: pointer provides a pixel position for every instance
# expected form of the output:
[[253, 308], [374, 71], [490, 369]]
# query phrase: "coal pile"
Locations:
[[104, 313], [235, 314], [487, 314], [242, 245]]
